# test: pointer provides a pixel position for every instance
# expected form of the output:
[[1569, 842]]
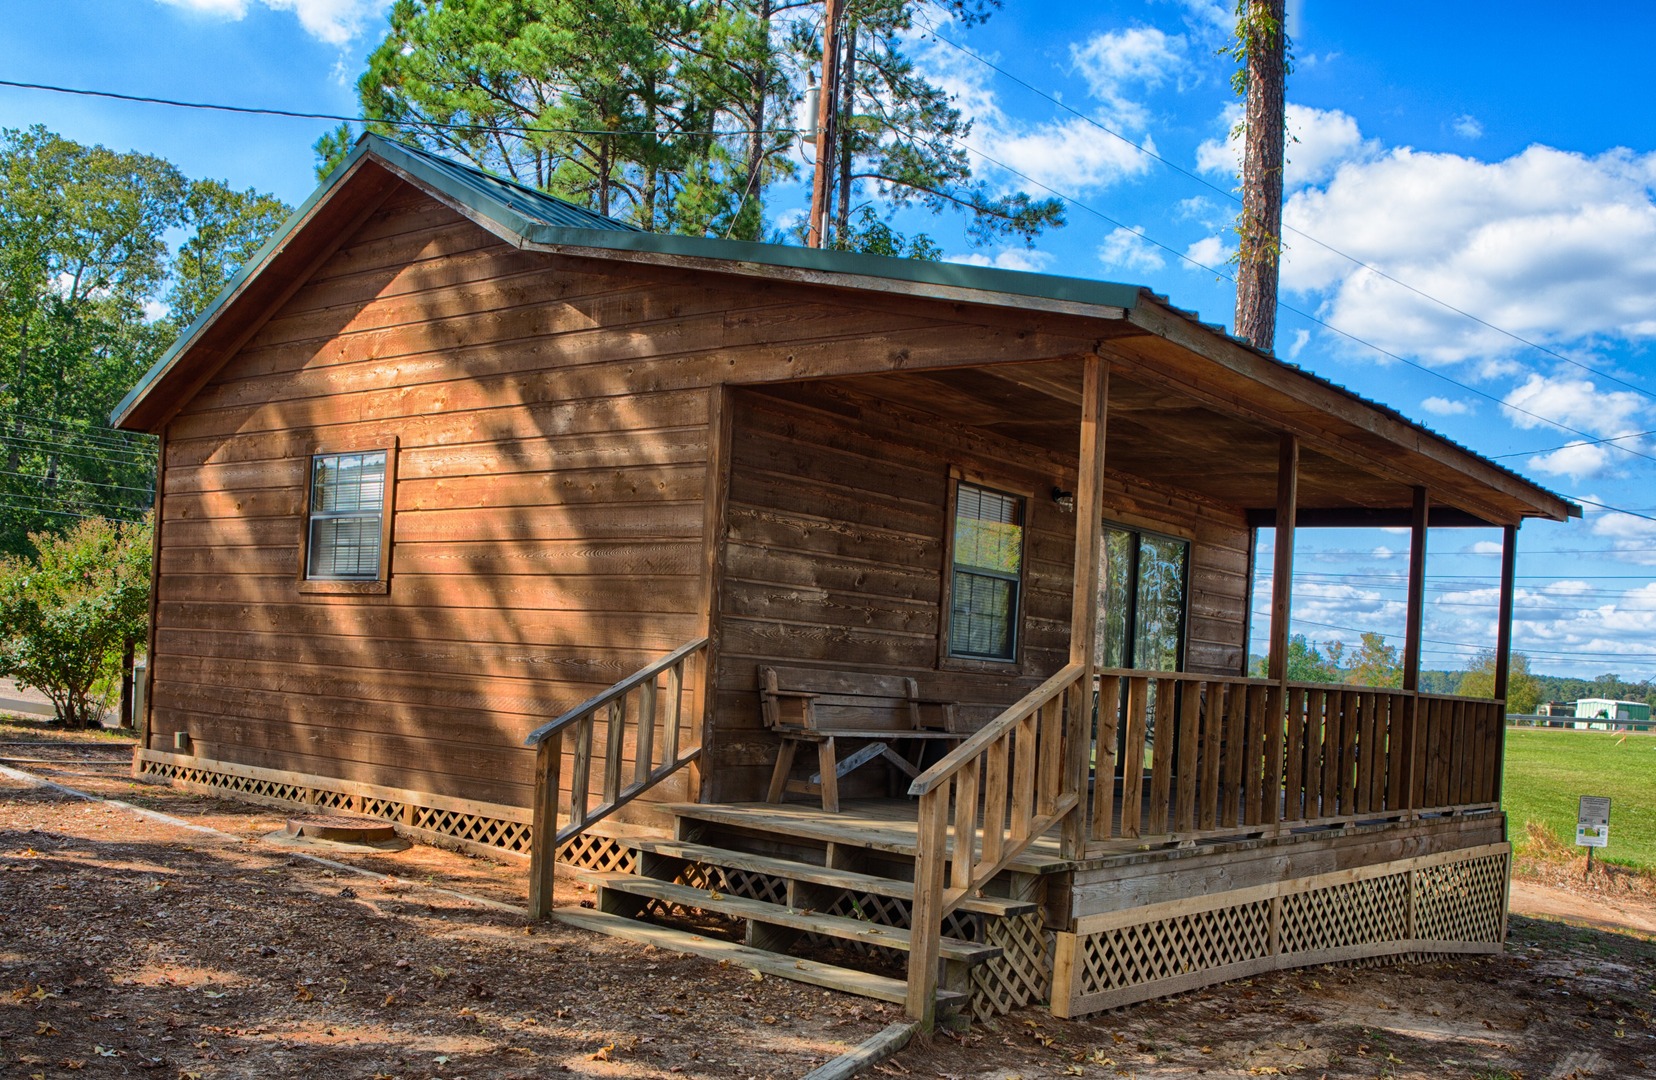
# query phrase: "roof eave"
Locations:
[[133, 412]]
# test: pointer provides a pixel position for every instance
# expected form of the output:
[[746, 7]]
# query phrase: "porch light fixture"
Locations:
[[1064, 499]]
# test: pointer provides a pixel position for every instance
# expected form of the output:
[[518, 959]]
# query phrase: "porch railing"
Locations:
[[644, 712], [1015, 768], [1205, 755]]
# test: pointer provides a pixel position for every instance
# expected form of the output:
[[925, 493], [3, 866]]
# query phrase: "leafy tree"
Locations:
[[1375, 663], [1523, 689], [68, 613], [679, 116], [90, 295]]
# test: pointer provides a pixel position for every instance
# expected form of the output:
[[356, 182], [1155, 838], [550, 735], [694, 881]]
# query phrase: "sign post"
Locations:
[[1592, 826]]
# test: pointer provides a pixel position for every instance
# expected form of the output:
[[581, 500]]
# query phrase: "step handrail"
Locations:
[[653, 702], [1020, 763]]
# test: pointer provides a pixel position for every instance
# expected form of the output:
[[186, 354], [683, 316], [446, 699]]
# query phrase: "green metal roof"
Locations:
[[535, 219]]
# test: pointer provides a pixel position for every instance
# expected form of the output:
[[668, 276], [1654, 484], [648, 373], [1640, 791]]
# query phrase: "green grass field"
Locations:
[[1547, 771]]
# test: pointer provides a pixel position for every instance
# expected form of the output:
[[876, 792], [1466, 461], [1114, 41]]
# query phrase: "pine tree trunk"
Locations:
[[848, 88], [1260, 228]]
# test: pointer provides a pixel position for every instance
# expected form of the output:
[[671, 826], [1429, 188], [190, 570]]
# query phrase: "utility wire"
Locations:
[[486, 129], [1002, 165], [1231, 195]]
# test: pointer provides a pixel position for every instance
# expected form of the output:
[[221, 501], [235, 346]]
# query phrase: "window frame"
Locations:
[[1130, 635], [947, 660], [380, 584]]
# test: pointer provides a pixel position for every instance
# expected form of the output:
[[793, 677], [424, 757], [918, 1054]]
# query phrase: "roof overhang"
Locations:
[[1142, 335]]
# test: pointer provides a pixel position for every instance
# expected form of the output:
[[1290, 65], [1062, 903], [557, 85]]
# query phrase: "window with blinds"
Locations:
[[347, 509], [987, 574]]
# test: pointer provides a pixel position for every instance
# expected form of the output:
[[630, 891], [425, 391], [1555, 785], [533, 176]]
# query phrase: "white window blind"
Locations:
[[347, 508]]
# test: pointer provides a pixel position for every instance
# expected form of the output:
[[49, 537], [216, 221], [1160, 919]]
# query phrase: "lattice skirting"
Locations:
[[1447, 903], [1021, 975], [483, 828]]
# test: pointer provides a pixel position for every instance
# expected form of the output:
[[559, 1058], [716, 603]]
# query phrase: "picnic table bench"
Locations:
[[812, 705]]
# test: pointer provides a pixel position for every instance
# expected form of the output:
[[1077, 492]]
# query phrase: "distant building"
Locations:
[[1610, 711], [1556, 708]]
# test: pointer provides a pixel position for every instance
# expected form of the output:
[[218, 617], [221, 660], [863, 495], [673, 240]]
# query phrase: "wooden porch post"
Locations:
[[1282, 590], [715, 499], [1413, 629], [1282, 576], [1417, 591], [1089, 543], [1503, 645]]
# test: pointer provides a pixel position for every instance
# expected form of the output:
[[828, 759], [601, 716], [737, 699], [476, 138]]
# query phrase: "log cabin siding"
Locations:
[[552, 417], [542, 548], [836, 553]]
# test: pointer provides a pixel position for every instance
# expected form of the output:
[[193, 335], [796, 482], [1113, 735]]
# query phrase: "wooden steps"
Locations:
[[887, 826], [786, 892], [846, 980], [758, 911], [820, 875]]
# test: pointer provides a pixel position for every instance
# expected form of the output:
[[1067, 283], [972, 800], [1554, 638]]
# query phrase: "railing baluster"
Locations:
[[964, 855], [615, 735], [1023, 776], [1253, 743], [670, 716], [1293, 806], [1213, 727], [1104, 756], [1051, 743], [994, 800], [644, 743], [1132, 756], [1275, 719], [1189, 737], [1236, 715], [580, 781], [1161, 756]]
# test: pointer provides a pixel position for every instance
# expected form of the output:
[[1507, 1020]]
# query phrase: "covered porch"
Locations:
[[827, 552]]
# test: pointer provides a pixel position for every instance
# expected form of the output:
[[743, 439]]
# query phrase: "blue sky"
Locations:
[[1499, 159]]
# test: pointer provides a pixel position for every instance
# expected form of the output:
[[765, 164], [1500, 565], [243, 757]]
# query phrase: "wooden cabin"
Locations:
[[494, 517]]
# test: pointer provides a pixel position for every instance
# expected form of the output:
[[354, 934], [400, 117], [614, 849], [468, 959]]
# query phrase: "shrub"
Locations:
[[67, 614]]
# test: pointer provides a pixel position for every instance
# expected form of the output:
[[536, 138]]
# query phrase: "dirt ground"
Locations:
[[132, 947]]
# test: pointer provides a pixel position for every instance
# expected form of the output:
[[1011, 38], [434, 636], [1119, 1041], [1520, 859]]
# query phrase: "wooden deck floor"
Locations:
[[891, 825]]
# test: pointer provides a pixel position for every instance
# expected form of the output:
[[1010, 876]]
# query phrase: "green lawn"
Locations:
[[1547, 771]]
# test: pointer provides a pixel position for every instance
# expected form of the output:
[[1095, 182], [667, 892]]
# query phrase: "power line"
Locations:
[[1283, 305], [1230, 195], [254, 110]]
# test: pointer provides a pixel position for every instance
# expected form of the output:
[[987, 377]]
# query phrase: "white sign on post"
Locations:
[[1593, 822]]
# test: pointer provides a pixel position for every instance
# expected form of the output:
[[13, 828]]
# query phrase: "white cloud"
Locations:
[[1210, 253], [1007, 259], [1116, 63], [1209, 18], [1382, 553], [1467, 126], [1577, 403], [1297, 344], [1439, 406], [1320, 141], [1483, 547], [1070, 154], [1550, 245], [333, 21], [1578, 461], [1126, 249], [1632, 539]]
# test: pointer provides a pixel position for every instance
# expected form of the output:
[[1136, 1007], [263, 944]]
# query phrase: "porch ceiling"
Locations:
[[1164, 437]]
